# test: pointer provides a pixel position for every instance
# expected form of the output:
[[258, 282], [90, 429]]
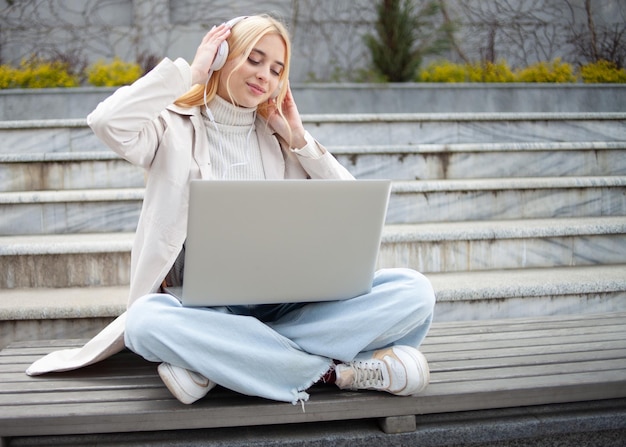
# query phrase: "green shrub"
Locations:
[[8, 77], [490, 72], [113, 74], [37, 73], [405, 32], [443, 71], [555, 71], [602, 72]]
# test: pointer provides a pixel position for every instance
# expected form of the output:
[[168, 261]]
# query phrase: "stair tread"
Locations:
[[489, 184], [528, 282], [72, 195], [392, 233], [65, 243], [505, 146], [398, 186], [361, 117], [42, 303], [75, 302], [504, 229]]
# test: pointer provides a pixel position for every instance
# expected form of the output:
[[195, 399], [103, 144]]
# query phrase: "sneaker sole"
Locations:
[[168, 378]]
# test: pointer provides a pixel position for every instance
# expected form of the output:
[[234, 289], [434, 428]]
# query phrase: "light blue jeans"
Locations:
[[279, 351]]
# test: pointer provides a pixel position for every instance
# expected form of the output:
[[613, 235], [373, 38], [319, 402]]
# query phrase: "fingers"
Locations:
[[217, 34], [205, 54]]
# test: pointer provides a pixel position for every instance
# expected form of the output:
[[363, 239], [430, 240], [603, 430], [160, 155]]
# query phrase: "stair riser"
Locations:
[[519, 307], [415, 207], [72, 217], [374, 131], [445, 310], [69, 175], [452, 132], [507, 204], [396, 166], [35, 140], [50, 329], [111, 269], [65, 270], [460, 255], [460, 165]]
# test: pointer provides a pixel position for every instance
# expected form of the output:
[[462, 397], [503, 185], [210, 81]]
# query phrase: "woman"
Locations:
[[240, 121]]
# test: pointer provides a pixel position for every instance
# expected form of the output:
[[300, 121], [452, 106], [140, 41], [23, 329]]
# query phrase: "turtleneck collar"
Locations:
[[230, 114]]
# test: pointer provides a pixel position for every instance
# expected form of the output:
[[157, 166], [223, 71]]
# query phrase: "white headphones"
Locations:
[[222, 54], [222, 51]]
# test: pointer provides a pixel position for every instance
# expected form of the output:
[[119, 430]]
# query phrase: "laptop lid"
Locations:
[[280, 241]]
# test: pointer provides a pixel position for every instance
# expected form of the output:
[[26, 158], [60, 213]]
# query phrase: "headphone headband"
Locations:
[[236, 20]]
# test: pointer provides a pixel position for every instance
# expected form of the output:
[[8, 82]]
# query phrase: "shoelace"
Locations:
[[368, 374]]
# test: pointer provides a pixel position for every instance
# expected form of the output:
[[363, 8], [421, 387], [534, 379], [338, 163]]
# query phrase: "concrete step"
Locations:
[[484, 160], [67, 170], [529, 292], [49, 136], [46, 313], [111, 210], [512, 244], [73, 135], [114, 210], [407, 129], [73, 260], [80, 312], [103, 259], [506, 198], [105, 169], [71, 211]]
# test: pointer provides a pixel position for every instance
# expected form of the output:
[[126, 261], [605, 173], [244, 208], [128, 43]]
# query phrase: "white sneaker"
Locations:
[[187, 386], [399, 370]]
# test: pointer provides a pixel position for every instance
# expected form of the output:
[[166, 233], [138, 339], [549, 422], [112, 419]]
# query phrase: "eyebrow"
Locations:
[[262, 53]]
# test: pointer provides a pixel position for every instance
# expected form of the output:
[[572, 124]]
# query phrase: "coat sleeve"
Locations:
[[319, 163], [128, 121]]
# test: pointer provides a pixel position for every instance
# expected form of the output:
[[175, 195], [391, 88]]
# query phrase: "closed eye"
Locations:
[[274, 71]]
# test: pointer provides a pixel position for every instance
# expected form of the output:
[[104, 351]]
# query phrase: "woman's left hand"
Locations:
[[293, 130]]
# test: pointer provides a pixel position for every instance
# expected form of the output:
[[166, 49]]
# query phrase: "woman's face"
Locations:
[[254, 82]]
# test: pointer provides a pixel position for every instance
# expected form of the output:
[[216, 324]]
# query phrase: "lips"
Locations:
[[256, 89]]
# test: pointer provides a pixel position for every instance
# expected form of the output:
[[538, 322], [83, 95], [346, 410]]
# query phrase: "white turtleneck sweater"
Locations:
[[231, 132]]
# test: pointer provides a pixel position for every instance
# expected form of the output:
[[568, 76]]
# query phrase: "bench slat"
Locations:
[[474, 366], [153, 390], [218, 412], [485, 352], [534, 359]]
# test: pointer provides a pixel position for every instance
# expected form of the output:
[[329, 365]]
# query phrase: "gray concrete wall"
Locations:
[[327, 34], [360, 98]]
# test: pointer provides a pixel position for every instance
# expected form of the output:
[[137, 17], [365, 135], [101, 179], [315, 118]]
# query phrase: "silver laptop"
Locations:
[[283, 241]]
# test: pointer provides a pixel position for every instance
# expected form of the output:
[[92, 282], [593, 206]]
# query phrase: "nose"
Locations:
[[263, 72]]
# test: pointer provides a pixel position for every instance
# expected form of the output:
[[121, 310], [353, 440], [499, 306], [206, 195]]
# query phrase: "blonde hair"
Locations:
[[243, 37]]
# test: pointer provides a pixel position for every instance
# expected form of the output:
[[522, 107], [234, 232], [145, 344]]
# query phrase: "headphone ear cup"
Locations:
[[220, 56], [277, 91], [222, 51]]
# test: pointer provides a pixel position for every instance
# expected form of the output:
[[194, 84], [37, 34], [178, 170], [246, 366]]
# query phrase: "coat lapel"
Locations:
[[271, 153]]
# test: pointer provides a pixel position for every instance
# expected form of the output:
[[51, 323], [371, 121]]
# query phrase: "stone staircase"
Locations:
[[508, 214]]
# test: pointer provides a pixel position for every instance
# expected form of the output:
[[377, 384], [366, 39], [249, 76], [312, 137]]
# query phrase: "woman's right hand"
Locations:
[[205, 54]]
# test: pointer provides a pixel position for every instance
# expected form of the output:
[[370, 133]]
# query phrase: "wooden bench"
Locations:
[[475, 365]]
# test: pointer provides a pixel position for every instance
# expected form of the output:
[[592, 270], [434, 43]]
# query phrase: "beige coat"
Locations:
[[140, 123]]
